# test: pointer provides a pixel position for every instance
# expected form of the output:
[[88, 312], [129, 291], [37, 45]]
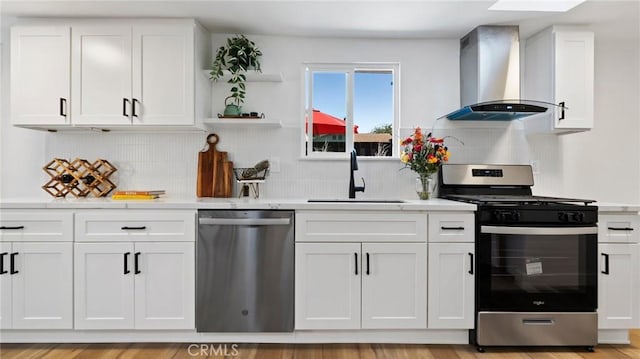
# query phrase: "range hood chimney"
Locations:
[[490, 76]]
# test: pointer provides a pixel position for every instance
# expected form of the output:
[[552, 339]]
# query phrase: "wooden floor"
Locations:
[[314, 351]]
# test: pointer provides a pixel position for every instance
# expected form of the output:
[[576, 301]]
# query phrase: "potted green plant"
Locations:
[[238, 56]]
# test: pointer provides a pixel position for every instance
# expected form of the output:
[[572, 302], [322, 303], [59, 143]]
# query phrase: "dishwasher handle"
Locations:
[[245, 221]]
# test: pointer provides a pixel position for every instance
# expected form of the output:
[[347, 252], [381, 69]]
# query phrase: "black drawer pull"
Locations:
[[452, 228], [471, 265], [126, 263], [12, 265], [136, 260], [620, 228], [126, 228], [2, 271], [606, 263], [12, 227]]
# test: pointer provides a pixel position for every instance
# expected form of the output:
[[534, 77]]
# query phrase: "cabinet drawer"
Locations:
[[125, 225], [618, 228], [342, 226], [41, 225], [451, 227]]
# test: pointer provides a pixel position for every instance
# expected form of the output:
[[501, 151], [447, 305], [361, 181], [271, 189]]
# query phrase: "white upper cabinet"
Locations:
[[40, 66], [559, 68], [110, 74], [101, 75], [163, 75], [141, 75]]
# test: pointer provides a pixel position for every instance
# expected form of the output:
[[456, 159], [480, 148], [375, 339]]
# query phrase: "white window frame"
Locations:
[[306, 147]]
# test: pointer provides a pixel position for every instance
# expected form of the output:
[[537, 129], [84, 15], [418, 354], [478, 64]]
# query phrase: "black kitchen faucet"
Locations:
[[354, 167]]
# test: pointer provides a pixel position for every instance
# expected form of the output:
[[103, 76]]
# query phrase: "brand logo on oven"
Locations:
[[538, 302]]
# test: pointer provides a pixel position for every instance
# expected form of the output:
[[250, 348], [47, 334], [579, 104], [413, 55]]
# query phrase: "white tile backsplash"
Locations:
[[169, 160], [144, 160]]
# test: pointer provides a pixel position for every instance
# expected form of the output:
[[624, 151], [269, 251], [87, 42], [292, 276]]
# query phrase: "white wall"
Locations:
[[571, 165], [603, 163]]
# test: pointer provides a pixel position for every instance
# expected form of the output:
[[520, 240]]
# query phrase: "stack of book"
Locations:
[[129, 195]]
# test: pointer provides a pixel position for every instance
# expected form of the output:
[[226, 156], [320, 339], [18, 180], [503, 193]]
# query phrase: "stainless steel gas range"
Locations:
[[536, 281]]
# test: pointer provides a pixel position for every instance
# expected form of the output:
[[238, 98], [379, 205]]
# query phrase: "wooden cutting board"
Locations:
[[215, 173]]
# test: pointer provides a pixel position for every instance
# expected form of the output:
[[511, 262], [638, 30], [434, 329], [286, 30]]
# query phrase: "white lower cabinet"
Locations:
[[619, 286], [451, 285], [327, 285], [135, 269], [36, 270], [5, 287], [394, 285], [103, 285], [451, 271], [36, 284], [165, 287], [618, 270], [360, 286], [134, 285]]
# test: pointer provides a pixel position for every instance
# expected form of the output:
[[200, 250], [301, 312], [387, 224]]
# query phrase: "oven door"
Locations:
[[537, 269]]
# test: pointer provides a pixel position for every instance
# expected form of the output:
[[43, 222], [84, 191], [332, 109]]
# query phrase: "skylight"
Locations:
[[535, 5]]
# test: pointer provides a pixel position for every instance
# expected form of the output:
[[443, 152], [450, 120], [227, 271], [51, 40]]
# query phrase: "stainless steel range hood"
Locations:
[[490, 76]]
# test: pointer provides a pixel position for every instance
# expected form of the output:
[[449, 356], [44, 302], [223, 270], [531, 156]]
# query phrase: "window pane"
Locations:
[[373, 112], [329, 112]]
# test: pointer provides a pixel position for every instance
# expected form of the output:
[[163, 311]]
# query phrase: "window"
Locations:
[[350, 106]]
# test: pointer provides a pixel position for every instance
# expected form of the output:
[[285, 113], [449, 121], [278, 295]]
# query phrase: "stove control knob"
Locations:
[[515, 216], [563, 216], [578, 217], [498, 216]]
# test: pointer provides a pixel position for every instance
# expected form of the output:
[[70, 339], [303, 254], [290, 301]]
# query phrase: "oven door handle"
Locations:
[[552, 231]]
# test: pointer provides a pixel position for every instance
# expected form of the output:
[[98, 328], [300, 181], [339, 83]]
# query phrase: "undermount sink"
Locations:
[[353, 200]]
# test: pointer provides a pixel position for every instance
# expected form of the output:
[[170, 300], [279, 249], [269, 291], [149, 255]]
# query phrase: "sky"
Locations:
[[373, 97]]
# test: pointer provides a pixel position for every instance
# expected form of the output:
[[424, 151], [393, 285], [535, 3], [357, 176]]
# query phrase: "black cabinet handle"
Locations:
[[126, 263], [620, 228], [452, 228], [606, 263], [368, 271], [12, 265], [133, 112], [63, 107], [471, 265], [125, 228], [14, 227], [136, 260], [356, 259], [125, 101], [2, 271], [561, 104]]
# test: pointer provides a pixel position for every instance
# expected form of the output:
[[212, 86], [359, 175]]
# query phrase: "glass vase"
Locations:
[[424, 186]]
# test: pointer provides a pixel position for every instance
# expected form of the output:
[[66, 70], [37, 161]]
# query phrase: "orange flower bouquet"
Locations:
[[423, 155]]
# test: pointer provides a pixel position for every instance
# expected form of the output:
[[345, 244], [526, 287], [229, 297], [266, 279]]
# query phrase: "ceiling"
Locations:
[[331, 18]]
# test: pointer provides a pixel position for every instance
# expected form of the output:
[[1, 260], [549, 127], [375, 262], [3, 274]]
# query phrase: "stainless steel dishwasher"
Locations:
[[244, 271]]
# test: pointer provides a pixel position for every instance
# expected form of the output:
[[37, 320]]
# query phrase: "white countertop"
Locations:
[[436, 204], [617, 207]]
